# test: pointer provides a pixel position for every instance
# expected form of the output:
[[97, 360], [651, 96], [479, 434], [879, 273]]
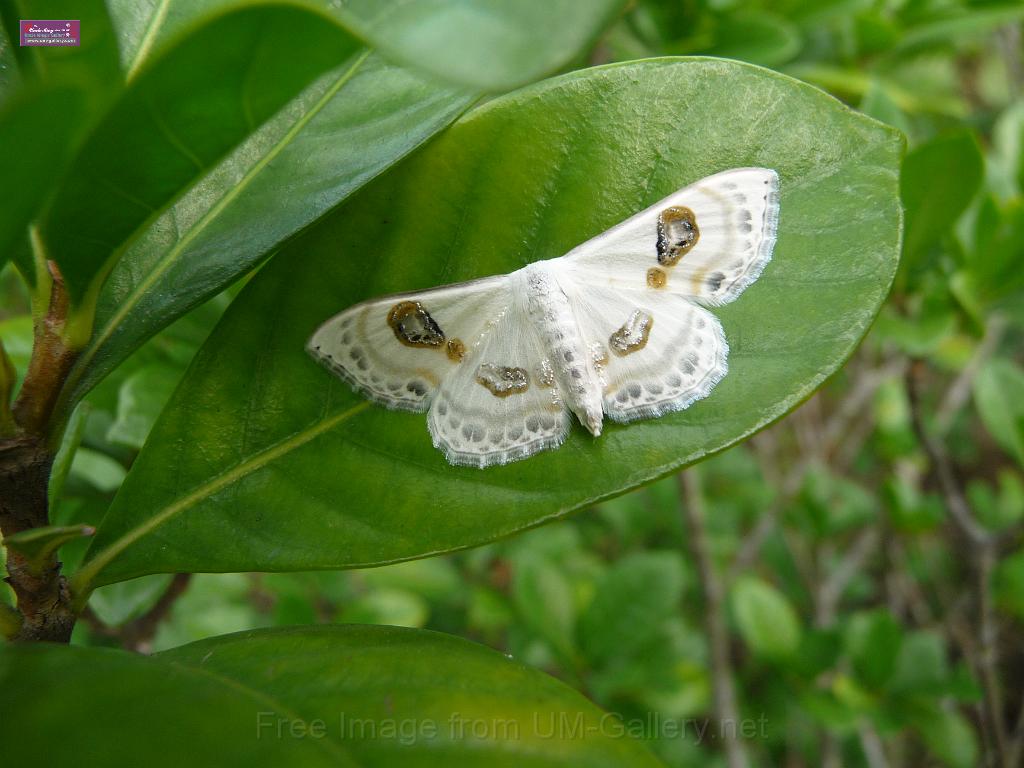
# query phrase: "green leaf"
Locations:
[[949, 736], [1008, 584], [957, 23], [757, 37], [348, 126], [175, 122], [632, 600], [1008, 151], [91, 68], [348, 696], [38, 545], [116, 604], [291, 456], [488, 44], [397, 607], [921, 665], [765, 618], [999, 397], [544, 598], [938, 182], [38, 128], [98, 469], [140, 400], [991, 273], [873, 640]]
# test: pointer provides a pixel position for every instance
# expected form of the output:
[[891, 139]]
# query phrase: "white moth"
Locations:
[[618, 327]]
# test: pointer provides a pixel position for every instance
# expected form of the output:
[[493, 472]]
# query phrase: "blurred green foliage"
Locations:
[[868, 623]]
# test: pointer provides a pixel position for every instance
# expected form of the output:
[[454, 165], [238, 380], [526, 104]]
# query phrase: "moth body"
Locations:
[[548, 308]]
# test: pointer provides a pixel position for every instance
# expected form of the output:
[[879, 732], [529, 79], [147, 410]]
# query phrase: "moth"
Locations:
[[617, 327]]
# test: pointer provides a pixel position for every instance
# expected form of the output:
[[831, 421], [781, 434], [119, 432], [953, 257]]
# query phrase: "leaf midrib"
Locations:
[[82, 581], [336, 752], [174, 253]]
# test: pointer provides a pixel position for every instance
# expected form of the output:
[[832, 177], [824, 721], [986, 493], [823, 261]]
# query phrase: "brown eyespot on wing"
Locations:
[[396, 350], [664, 352], [503, 403], [708, 241]]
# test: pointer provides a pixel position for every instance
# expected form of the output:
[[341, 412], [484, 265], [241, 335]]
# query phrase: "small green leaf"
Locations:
[[755, 36], [140, 400], [999, 397], [118, 603], [921, 666], [879, 104], [938, 182], [489, 44], [873, 641], [397, 607], [544, 598], [949, 736], [324, 696], [434, 578], [38, 545], [69, 445], [631, 601], [765, 618], [291, 455], [97, 469], [1008, 585]]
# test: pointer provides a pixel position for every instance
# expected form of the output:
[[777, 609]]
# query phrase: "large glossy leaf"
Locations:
[[489, 44], [175, 122], [42, 123], [36, 132], [339, 695], [343, 130], [277, 465], [492, 45]]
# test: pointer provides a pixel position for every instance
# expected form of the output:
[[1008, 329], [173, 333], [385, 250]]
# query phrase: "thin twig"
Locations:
[[1016, 747], [871, 744], [137, 635], [949, 486], [982, 547], [832, 588], [726, 711], [835, 432], [960, 390]]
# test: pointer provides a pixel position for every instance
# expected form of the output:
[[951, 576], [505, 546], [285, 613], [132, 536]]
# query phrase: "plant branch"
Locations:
[[726, 711], [26, 459], [949, 485], [960, 390], [831, 589], [137, 635], [8, 428], [982, 547]]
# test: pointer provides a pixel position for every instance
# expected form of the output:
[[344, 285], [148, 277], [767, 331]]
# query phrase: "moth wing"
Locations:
[[502, 403], [396, 350], [656, 352], [708, 241]]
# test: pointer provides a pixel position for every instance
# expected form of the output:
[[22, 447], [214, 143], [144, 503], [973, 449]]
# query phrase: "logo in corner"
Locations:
[[49, 33]]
